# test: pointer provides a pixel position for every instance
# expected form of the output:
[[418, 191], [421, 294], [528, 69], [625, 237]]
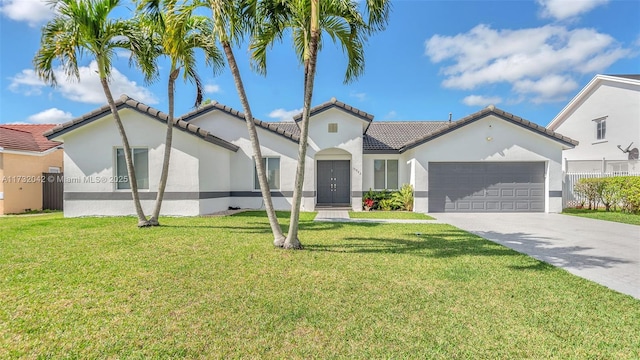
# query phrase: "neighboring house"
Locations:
[[488, 161], [605, 118], [25, 154]]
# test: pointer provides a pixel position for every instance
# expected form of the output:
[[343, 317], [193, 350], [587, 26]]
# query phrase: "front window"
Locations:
[[140, 158], [385, 174], [601, 129], [272, 168]]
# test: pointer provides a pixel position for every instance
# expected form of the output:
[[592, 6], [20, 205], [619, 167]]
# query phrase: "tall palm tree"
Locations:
[[179, 33], [232, 20], [342, 21], [84, 27]]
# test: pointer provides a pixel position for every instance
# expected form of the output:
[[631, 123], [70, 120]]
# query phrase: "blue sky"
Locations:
[[436, 57]]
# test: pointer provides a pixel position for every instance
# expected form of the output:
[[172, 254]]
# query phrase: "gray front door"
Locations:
[[334, 182], [486, 187]]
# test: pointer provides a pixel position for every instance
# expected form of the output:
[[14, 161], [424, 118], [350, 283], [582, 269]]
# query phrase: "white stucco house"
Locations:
[[489, 161], [605, 118]]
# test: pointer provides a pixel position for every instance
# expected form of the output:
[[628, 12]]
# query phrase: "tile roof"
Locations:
[[126, 102], [26, 137], [484, 113], [270, 126], [288, 126], [392, 135], [339, 104]]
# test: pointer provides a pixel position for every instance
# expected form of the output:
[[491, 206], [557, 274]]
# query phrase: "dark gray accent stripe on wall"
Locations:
[[357, 193], [214, 194], [273, 193], [193, 195], [421, 194], [555, 193]]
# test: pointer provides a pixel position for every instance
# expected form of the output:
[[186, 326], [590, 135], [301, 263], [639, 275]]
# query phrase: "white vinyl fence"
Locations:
[[570, 199]]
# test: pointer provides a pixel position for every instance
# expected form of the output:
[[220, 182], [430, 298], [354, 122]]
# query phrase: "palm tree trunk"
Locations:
[[142, 219], [164, 175], [292, 241], [278, 236]]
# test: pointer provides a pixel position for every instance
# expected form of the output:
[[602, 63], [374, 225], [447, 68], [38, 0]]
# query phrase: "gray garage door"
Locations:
[[486, 187]]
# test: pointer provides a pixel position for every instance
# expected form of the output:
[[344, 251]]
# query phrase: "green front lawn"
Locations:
[[626, 218], [389, 215], [216, 288]]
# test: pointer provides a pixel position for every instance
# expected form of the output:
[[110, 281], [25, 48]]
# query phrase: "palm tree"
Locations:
[[232, 20], [179, 33], [84, 27], [307, 20]]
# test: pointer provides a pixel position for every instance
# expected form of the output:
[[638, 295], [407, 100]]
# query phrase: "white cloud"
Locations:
[[211, 88], [486, 56], [479, 100], [358, 95], [565, 9], [391, 115], [123, 53], [87, 90], [50, 116], [284, 115], [33, 12], [27, 83], [546, 89]]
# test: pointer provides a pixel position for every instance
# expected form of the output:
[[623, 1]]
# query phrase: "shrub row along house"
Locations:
[[25, 154], [489, 161]]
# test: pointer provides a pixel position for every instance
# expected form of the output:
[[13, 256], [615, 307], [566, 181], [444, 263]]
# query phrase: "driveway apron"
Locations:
[[601, 251]]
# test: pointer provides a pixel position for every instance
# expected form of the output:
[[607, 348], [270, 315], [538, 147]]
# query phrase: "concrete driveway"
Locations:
[[602, 251]]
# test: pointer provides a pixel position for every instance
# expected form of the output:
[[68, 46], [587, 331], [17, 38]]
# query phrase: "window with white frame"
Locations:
[[385, 174], [272, 169], [140, 158], [601, 128]]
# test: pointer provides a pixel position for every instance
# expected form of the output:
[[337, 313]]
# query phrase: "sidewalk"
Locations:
[[343, 216]]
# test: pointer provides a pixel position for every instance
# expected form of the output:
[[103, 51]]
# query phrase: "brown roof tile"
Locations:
[[26, 137]]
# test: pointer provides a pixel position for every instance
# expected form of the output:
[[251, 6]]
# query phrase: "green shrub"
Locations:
[[404, 197], [386, 204], [618, 191], [390, 200], [587, 188], [630, 193], [610, 192]]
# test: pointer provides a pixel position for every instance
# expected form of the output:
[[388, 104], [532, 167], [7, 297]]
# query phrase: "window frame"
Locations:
[[386, 174], [600, 128], [256, 182], [117, 175]]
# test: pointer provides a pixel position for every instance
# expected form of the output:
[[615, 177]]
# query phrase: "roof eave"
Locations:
[[374, 152], [528, 125], [577, 100], [127, 102], [215, 106], [334, 103]]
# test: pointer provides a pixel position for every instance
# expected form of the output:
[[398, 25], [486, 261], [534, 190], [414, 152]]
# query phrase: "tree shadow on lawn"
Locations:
[[452, 242], [449, 242], [443, 244]]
